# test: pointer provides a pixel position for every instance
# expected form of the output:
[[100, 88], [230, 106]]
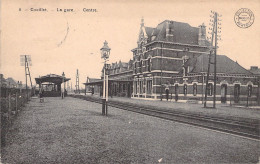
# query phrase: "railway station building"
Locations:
[[171, 61]]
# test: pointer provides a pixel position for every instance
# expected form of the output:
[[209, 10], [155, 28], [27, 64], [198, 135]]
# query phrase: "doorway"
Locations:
[[223, 93], [236, 93]]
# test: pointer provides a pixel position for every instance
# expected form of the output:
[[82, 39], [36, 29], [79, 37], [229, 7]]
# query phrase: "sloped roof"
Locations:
[[182, 32], [10, 81], [224, 65], [90, 80], [255, 71], [53, 78], [149, 30]]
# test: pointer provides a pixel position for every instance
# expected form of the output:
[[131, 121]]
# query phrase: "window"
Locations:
[[119, 88], [135, 67], [185, 89], [124, 87], [249, 89], [149, 86], [136, 87], [176, 89], [210, 89], [194, 89], [149, 64], [141, 65], [236, 93], [141, 87], [144, 86]]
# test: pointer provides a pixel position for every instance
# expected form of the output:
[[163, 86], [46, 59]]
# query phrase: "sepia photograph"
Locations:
[[129, 82]]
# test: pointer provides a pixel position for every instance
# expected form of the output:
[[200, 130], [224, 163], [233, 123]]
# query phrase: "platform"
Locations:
[[72, 130]]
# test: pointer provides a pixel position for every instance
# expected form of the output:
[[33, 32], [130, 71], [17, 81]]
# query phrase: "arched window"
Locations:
[[185, 89], [176, 89], [249, 90], [210, 89], [194, 89], [236, 92]]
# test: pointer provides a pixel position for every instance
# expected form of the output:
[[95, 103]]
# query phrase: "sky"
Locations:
[[66, 41]]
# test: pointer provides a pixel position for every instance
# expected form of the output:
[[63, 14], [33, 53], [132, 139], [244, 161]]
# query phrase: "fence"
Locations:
[[12, 100]]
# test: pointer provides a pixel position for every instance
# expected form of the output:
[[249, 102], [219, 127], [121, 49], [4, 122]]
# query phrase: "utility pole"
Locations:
[[25, 60], [77, 82], [214, 33], [161, 71]]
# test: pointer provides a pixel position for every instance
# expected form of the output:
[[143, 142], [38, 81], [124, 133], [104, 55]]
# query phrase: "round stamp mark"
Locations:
[[244, 18]]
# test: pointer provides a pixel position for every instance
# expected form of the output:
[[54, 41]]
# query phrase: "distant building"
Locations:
[[9, 82], [94, 88], [2, 81]]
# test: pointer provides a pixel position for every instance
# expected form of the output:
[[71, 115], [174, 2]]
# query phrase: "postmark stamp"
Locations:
[[244, 18]]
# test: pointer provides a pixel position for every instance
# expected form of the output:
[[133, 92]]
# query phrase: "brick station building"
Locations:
[[160, 54], [171, 60]]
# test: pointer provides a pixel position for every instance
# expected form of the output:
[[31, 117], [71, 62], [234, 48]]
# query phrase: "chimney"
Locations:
[[169, 31], [202, 35], [142, 22], [252, 68]]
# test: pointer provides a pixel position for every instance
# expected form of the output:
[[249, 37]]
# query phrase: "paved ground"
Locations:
[[74, 131], [220, 110]]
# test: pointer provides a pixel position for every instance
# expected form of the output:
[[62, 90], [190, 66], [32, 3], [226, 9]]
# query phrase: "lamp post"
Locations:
[[63, 89], [105, 52]]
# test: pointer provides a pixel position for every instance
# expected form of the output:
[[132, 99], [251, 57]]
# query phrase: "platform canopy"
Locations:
[[52, 78], [100, 82]]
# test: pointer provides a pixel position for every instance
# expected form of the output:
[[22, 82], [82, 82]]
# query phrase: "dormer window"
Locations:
[[143, 49]]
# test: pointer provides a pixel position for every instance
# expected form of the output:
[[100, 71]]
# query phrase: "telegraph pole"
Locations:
[[214, 33], [25, 60], [215, 59], [161, 70], [77, 82]]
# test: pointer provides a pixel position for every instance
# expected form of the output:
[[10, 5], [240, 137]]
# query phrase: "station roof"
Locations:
[[224, 65], [53, 78]]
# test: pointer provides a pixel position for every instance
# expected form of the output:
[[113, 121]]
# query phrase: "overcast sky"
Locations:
[[66, 41]]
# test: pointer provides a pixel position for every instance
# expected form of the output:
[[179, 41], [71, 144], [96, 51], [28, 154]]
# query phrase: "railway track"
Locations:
[[233, 125]]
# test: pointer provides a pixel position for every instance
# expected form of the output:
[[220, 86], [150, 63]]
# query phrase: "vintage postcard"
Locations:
[[152, 81]]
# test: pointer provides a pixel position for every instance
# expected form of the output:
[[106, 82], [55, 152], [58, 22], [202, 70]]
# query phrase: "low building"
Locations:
[[51, 85], [120, 80], [92, 87], [234, 83]]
